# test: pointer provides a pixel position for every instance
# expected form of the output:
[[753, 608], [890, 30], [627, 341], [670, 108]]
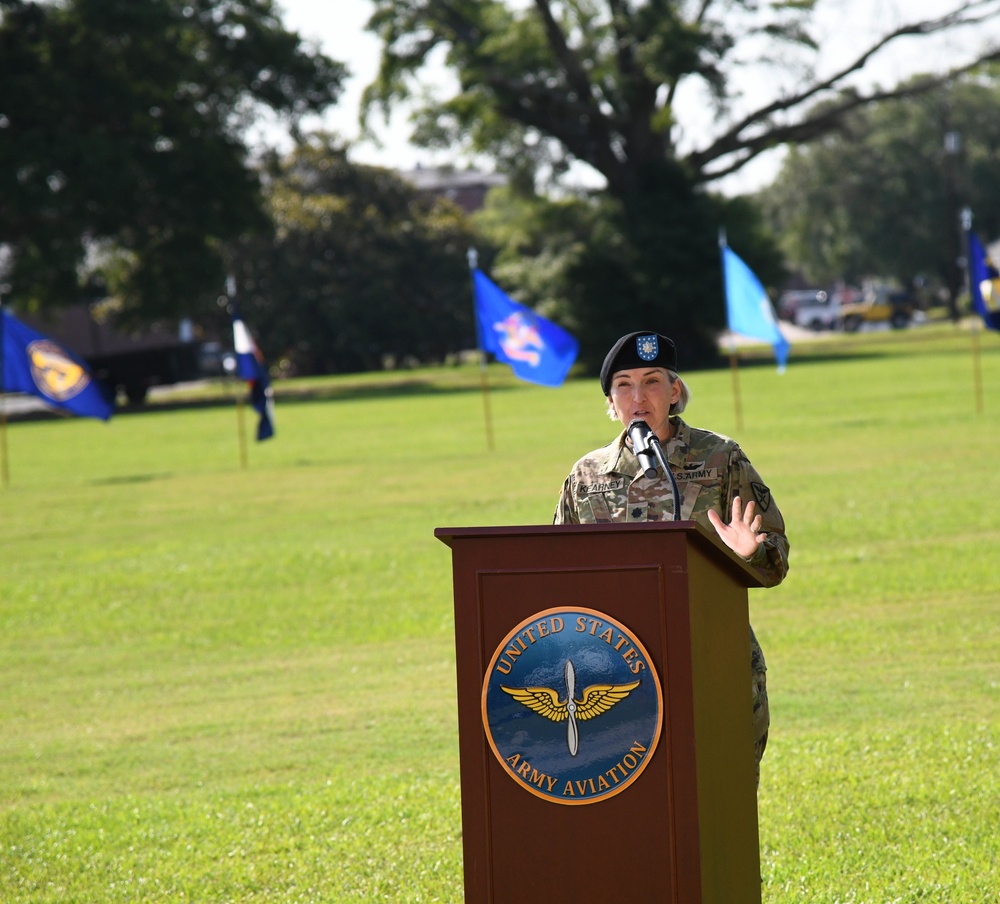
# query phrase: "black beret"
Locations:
[[640, 349]]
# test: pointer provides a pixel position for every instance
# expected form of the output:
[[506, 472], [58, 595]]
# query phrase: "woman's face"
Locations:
[[645, 393]]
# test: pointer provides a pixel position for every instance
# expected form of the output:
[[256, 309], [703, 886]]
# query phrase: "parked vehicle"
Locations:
[[878, 306], [822, 313], [790, 302], [129, 362], [215, 360]]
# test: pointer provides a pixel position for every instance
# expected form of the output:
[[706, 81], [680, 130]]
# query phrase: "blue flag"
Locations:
[[536, 349], [748, 309], [35, 364], [984, 284], [250, 366]]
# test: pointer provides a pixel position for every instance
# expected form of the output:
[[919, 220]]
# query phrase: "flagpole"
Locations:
[[3, 444], [734, 366], [473, 258], [4, 471], [977, 373], [241, 431], [734, 369]]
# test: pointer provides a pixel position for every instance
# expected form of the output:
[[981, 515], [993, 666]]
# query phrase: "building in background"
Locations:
[[466, 188]]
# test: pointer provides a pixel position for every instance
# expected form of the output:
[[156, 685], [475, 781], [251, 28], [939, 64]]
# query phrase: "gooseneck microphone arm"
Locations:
[[644, 441], [654, 442]]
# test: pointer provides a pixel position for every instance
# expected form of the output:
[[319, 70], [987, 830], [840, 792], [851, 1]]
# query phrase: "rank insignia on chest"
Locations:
[[637, 511]]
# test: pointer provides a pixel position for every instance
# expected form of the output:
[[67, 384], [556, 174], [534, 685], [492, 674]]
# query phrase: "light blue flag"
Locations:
[[536, 349], [748, 309], [32, 363]]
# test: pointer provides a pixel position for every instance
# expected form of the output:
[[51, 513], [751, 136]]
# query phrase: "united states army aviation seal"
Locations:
[[572, 705]]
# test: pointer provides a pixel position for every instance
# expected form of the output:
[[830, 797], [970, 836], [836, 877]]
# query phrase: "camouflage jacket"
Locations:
[[711, 470]]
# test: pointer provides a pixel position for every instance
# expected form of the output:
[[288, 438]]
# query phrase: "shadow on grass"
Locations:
[[821, 350], [865, 346], [131, 478], [795, 359], [283, 395]]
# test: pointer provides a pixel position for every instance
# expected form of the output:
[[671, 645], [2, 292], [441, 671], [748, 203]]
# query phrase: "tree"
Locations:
[[543, 245], [121, 151], [597, 81], [882, 196], [361, 271], [533, 244]]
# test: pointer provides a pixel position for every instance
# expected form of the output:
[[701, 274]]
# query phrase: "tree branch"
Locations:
[[576, 77], [821, 122], [635, 104], [731, 142], [568, 122], [599, 133]]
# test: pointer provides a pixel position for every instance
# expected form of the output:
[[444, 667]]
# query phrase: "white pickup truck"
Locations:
[[820, 315], [814, 309]]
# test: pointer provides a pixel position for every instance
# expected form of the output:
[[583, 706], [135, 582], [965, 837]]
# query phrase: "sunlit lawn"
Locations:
[[226, 684]]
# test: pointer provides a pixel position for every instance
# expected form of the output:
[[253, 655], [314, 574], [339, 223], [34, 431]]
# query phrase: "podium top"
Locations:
[[697, 533]]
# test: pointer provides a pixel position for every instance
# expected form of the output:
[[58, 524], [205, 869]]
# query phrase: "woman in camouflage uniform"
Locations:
[[714, 476]]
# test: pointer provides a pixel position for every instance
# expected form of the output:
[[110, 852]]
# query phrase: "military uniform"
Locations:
[[711, 470]]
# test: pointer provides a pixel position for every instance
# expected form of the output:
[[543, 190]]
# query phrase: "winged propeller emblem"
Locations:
[[597, 699]]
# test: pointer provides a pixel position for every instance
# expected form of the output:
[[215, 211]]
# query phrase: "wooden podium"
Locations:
[[678, 821]]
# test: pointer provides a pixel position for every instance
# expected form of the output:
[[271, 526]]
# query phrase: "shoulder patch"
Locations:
[[762, 494]]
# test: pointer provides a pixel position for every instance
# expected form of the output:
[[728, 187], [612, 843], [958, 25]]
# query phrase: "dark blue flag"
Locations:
[[984, 284], [536, 349], [250, 366], [748, 309], [35, 364]]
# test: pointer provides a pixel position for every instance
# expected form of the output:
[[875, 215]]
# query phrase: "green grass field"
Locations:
[[222, 684]]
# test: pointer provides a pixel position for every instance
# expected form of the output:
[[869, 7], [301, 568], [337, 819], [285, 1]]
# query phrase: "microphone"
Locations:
[[646, 445], [639, 434]]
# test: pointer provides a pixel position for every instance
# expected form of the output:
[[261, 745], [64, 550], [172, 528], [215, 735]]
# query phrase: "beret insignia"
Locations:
[[647, 347]]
